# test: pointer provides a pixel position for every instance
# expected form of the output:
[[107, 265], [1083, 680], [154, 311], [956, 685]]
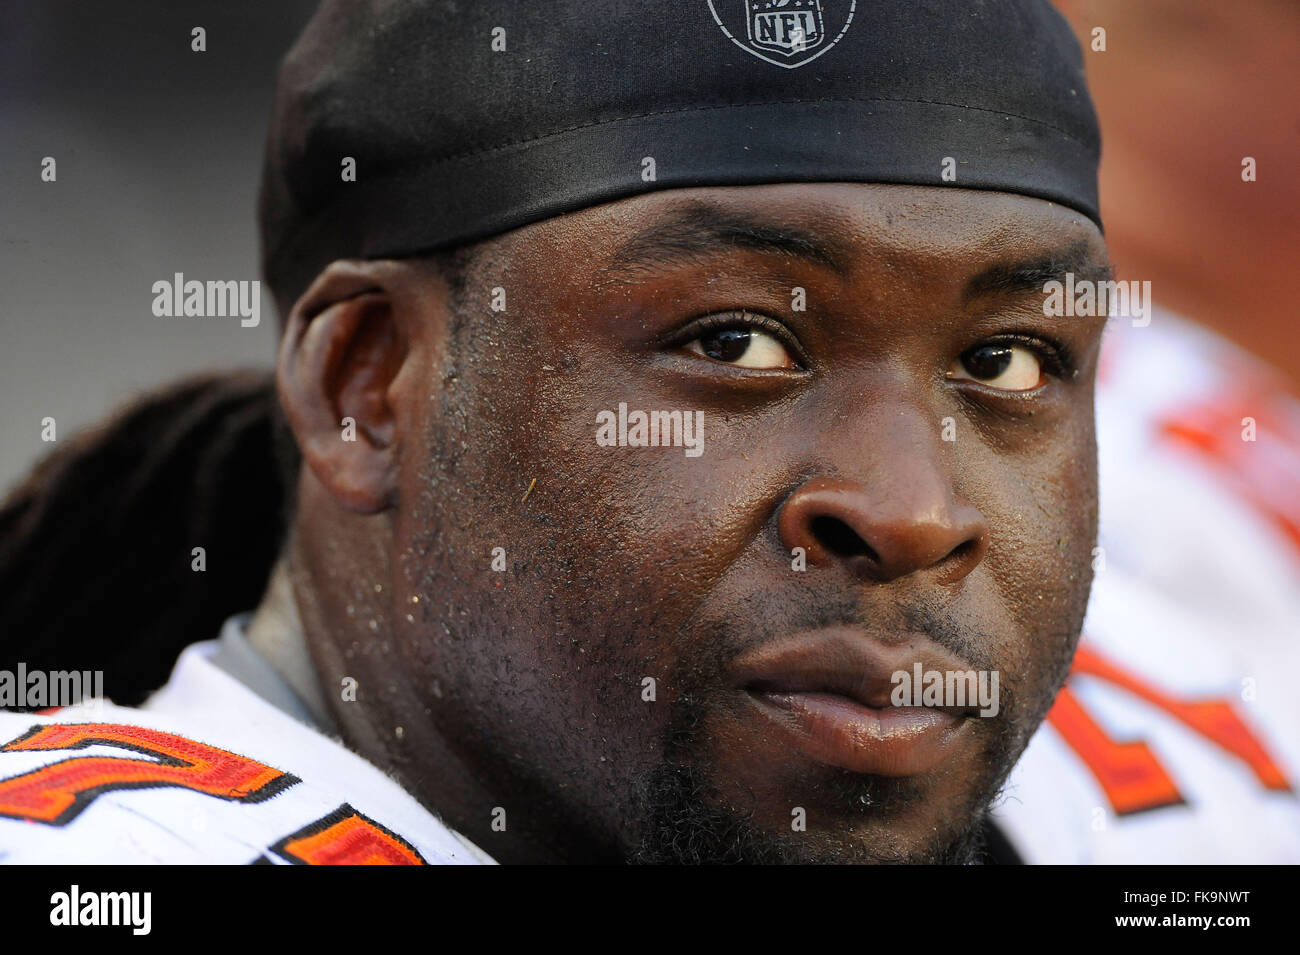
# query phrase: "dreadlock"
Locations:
[[97, 544]]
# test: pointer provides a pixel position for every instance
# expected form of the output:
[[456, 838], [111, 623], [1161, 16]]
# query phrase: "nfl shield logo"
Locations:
[[786, 26], [786, 33]]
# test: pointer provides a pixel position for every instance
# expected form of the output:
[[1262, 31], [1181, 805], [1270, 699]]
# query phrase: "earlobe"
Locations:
[[341, 351]]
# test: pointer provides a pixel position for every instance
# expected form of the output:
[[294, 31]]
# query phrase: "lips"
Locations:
[[827, 696]]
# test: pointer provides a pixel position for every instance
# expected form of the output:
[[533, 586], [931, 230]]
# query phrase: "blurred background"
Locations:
[[158, 153]]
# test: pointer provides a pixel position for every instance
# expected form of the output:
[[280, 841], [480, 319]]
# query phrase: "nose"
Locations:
[[882, 533]]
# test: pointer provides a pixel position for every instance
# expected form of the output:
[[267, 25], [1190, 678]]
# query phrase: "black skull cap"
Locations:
[[462, 119]]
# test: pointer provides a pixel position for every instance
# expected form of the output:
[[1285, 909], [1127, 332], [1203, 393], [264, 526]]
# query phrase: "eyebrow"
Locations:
[[1028, 276], [701, 230]]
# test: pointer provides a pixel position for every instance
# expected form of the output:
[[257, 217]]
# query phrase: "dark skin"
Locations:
[[523, 689]]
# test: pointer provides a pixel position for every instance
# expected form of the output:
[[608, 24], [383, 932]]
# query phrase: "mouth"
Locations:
[[827, 695]]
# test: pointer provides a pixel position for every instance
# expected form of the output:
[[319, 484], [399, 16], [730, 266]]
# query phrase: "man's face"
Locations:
[[690, 655]]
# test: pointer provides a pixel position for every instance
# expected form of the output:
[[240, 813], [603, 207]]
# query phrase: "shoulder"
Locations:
[[228, 780], [1199, 442]]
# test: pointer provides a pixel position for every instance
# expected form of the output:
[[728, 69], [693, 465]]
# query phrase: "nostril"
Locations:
[[963, 550], [840, 539]]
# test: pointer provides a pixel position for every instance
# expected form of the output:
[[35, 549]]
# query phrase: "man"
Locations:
[[671, 385]]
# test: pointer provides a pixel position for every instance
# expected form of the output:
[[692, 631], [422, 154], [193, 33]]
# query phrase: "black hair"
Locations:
[[98, 560]]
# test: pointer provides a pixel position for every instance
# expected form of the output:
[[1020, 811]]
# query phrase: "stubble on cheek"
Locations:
[[693, 809], [704, 802], [721, 794], [545, 666], [542, 666]]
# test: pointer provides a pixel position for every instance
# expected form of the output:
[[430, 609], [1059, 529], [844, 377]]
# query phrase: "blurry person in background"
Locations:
[[1178, 736]]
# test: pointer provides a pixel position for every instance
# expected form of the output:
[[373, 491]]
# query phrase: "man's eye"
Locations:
[[742, 347], [999, 365]]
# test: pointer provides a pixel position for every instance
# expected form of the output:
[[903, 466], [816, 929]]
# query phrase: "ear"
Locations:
[[341, 352]]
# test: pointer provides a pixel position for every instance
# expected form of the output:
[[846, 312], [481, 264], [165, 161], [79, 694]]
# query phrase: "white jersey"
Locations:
[[1177, 737], [206, 771]]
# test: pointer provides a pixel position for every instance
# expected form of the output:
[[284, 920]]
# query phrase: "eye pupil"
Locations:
[[988, 361], [726, 345]]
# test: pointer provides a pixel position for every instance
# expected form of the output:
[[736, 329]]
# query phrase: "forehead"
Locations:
[[839, 225]]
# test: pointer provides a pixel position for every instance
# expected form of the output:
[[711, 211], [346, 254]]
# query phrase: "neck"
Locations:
[[416, 733], [276, 633]]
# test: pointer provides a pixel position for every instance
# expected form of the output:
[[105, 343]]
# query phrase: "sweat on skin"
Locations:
[[924, 304], [664, 281]]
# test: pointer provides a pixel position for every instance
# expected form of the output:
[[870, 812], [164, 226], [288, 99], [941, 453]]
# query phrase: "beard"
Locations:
[[683, 819]]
